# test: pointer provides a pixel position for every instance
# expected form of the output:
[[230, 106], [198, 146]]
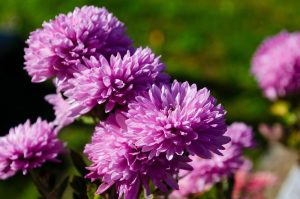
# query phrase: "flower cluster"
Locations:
[[152, 125], [151, 140], [28, 146], [153, 129], [154, 134], [114, 81], [118, 162], [208, 172], [276, 65]]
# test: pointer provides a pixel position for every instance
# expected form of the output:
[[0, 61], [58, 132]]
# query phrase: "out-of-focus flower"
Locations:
[[61, 110], [61, 45], [28, 146], [276, 65], [115, 81], [208, 172], [272, 133], [259, 181], [252, 185], [280, 108], [115, 161], [177, 118], [241, 135]]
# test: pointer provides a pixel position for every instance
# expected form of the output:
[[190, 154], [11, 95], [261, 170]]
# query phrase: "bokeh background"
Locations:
[[209, 43]]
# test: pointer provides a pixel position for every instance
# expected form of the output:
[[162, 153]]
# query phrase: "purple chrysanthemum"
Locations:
[[176, 118], [116, 161], [276, 65], [114, 81], [58, 49], [207, 172], [241, 135], [61, 109], [28, 146]]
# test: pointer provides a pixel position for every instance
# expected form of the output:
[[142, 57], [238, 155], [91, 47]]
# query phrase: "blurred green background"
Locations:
[[205, 42]]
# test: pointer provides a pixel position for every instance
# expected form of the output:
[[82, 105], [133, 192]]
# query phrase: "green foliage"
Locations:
[[79, 163], [76, 136]]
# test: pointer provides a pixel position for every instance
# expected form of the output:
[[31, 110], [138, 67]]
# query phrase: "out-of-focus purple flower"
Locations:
[[28, 146], [59, 47], [61, 110], [241, 135], [114, 81], [207, 172], [116, 161], [177, 118], [276, 65]]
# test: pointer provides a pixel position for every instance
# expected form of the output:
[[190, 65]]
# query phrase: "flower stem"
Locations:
[[38, 183], [220, 190], [228, 192]]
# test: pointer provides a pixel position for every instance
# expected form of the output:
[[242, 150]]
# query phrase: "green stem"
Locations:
[[220, 191], [228, 192], [38, 183]]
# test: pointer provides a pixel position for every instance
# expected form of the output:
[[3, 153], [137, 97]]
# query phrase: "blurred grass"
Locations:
[[205, 42]]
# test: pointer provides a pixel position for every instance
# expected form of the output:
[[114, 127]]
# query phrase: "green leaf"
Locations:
[[60, 189], [78, 162], [91, 190], [79, 186], [87, 120]]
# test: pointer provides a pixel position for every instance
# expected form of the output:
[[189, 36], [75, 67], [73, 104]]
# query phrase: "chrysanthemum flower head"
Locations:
[[207, 172], [276, 65], [177, 118], [115, 161], [59, 47], [28, 146], [115, 81]]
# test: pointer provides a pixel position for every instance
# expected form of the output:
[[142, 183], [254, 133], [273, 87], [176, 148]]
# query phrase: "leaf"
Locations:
[[89, 120], [91, 190], [76, 196], [230, 185], [78, 162], [57, 193], [61, 188], [51, 180], [79, 186], [41, 186]]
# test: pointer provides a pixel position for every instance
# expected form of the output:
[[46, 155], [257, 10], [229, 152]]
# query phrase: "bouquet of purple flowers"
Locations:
[[153, 136]]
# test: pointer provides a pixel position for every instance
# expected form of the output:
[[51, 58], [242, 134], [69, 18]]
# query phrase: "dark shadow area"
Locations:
[[20, 99]]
